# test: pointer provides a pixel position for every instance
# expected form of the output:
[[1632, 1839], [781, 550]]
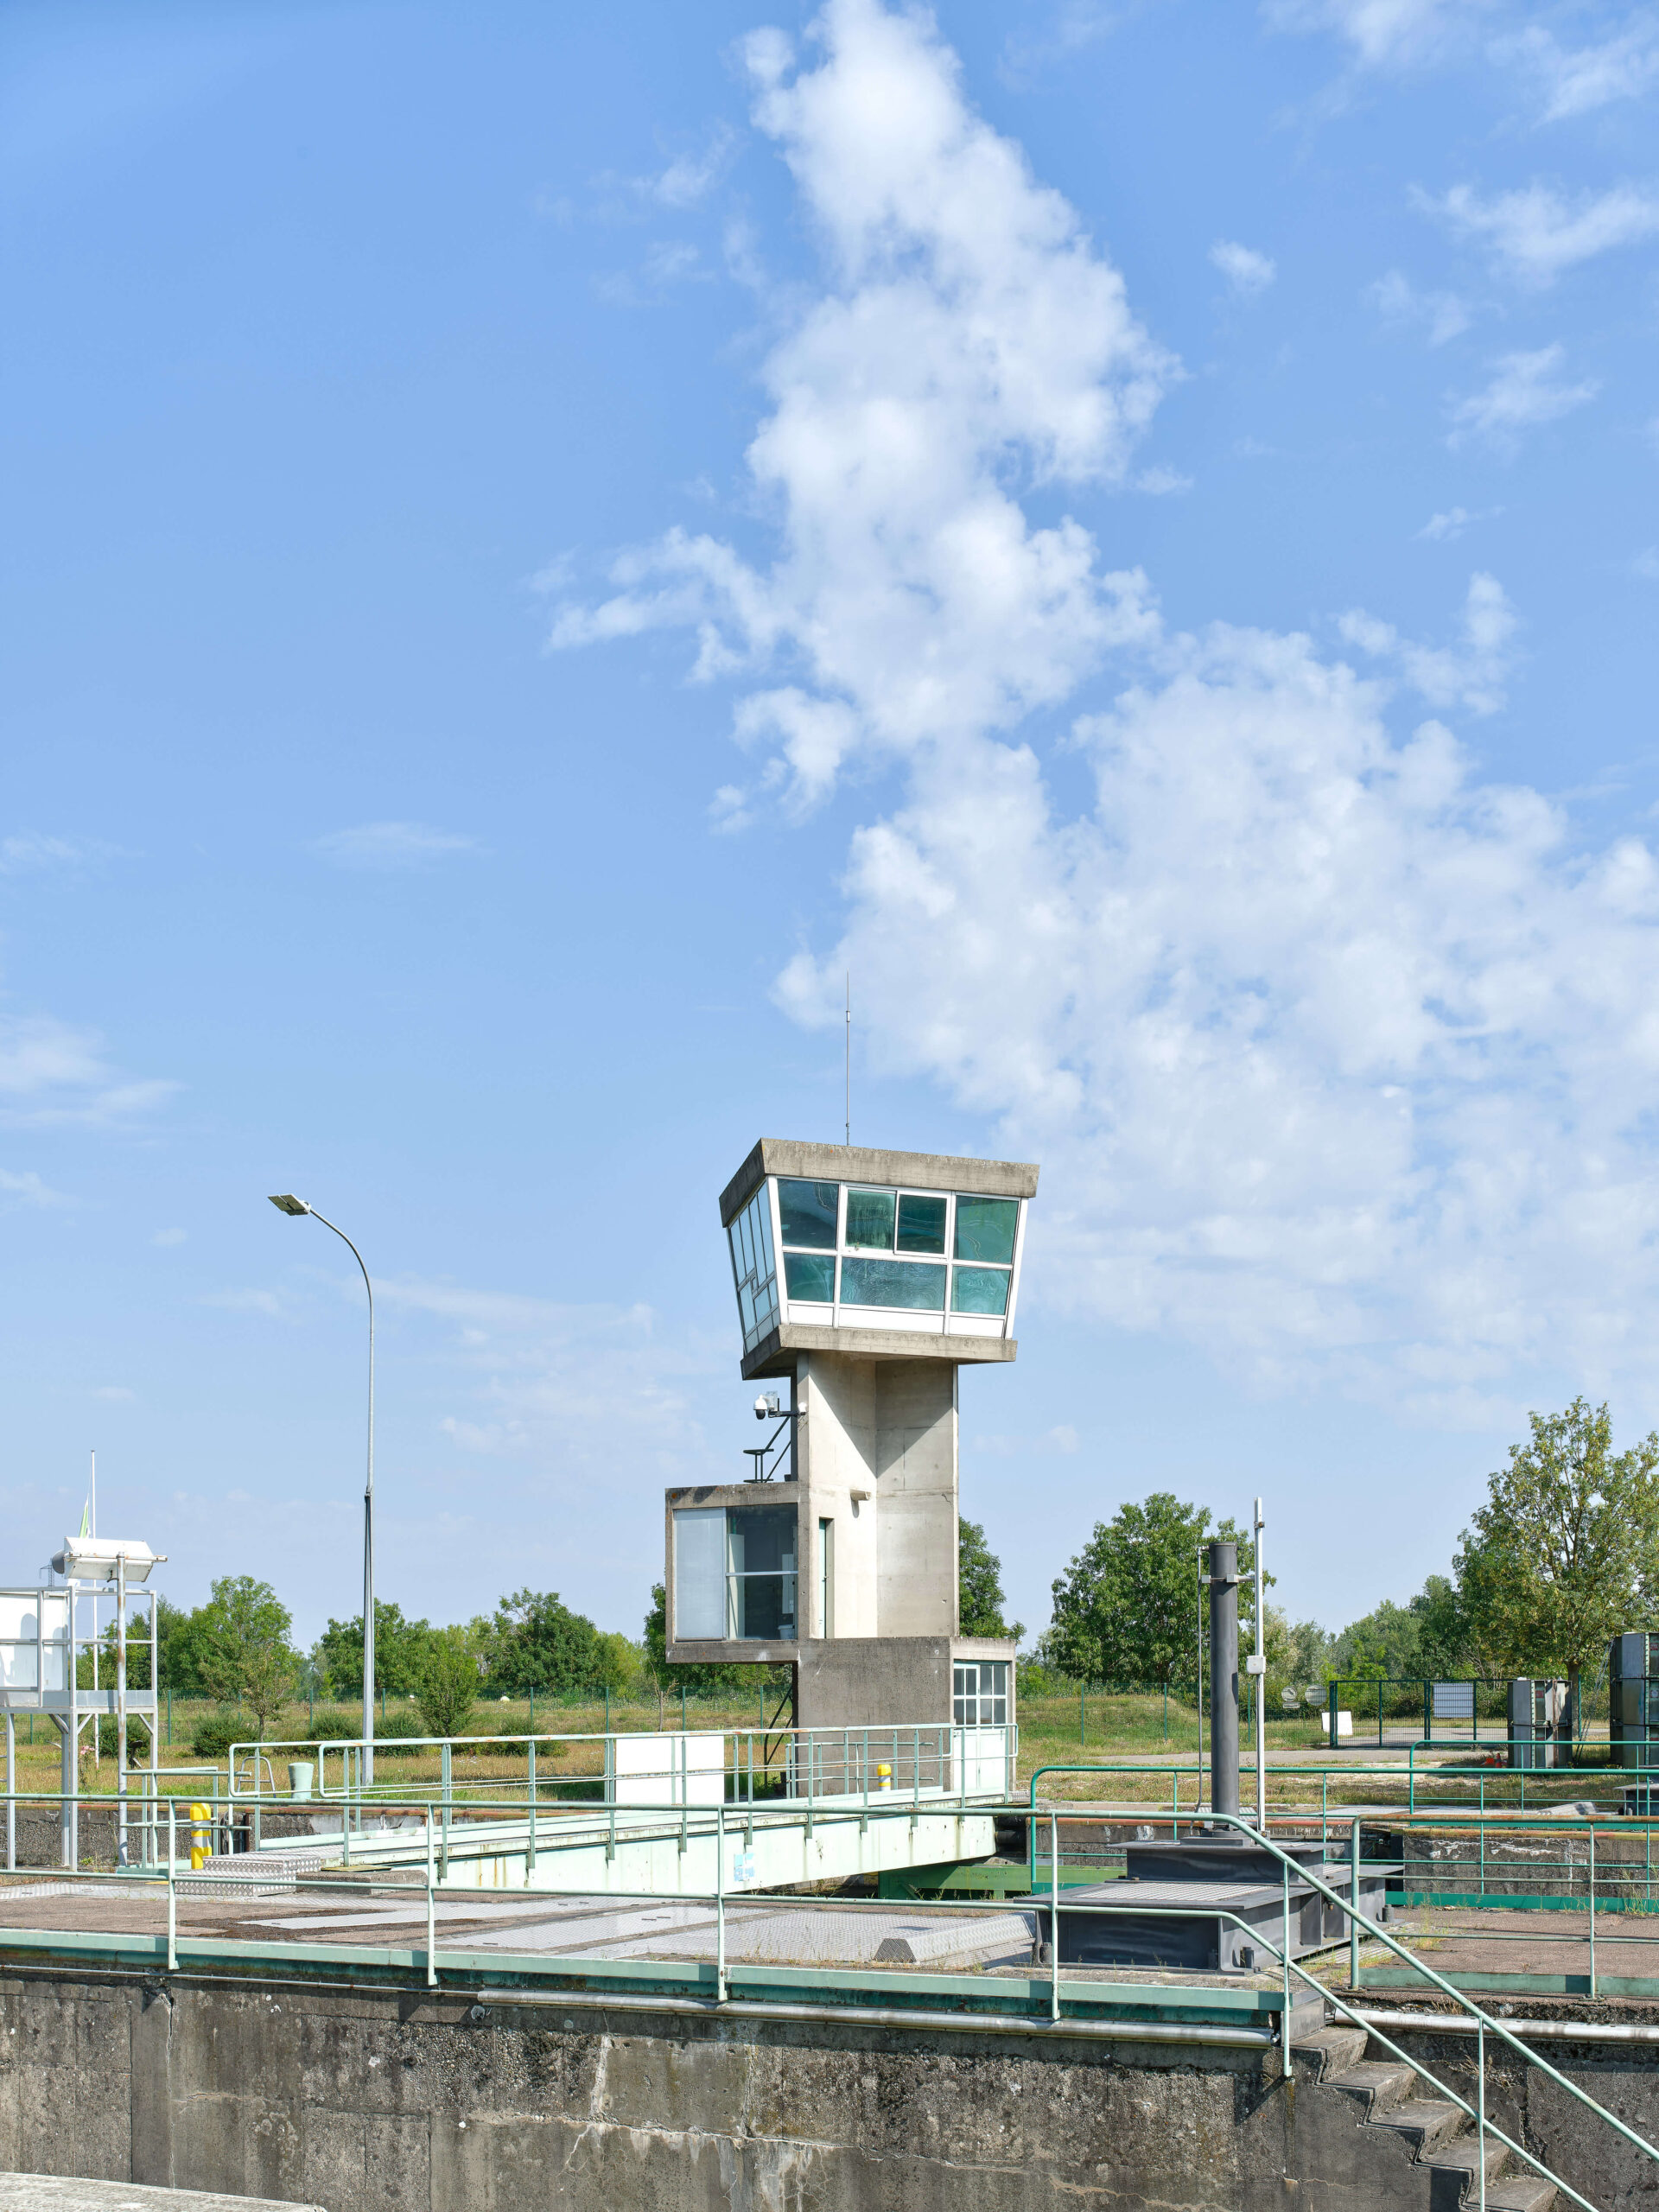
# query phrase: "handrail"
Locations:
[[1486, 2021]]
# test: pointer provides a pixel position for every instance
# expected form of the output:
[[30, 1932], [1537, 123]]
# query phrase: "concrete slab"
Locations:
[[62, 2193]]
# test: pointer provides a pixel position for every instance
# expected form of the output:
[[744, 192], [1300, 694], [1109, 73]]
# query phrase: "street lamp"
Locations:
[[289, 1204]]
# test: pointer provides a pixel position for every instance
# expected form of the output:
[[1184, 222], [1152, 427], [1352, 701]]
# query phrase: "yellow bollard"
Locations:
[[883, 1775], [202, 1834]]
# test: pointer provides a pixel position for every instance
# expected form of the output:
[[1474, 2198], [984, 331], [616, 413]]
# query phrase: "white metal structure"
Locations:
[[53, 1634]]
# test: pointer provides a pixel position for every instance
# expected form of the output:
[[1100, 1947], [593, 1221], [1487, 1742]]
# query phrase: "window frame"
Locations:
[[843, 1313]]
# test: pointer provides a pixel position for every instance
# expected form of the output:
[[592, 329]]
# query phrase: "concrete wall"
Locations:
[[887, 1428], [399, 2101]]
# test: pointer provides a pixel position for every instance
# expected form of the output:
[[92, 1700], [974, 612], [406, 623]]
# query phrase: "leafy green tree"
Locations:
[[447, 1689], [1565, 1552], [536, 1643], [400, 1647], [979, 1584], [1423, 1640], [1126, 1609], [245, 1653]]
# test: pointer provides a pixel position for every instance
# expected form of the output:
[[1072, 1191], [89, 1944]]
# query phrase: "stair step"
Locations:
[[1520, 2192], [1381, 2082], [1435, 2124], [1331, 2051]]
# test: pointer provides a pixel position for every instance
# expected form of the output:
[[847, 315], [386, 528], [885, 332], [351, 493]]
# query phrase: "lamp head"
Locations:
[[290, 1203]]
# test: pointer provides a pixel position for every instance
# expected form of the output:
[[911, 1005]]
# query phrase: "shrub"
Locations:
[[137, 1739], [392, 1733], [334, 1728], [447, 1686], [214, 1733]]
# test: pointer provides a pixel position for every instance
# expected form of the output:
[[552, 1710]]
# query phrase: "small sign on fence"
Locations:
[[1454, 1701]]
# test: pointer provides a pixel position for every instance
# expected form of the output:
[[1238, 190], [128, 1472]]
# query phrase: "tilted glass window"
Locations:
[[869, 1220], [761, 1583], [754, 1270], [699, 1573], [979, 1290], [905, 1283], [807, 1213], [811, 1275], [921, 1223], [981, 1693], [985, 1229]]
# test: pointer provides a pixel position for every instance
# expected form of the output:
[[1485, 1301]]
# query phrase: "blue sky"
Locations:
[[538, 538]]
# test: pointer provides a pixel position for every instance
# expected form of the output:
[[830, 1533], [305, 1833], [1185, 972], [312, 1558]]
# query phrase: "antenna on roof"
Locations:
[[849, 1058]]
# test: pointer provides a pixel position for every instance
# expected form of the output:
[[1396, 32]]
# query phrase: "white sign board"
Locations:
[[674, 1768], [1454, 1701]]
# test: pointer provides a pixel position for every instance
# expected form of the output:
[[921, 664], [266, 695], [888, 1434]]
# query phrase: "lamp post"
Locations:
[[289, 1204]]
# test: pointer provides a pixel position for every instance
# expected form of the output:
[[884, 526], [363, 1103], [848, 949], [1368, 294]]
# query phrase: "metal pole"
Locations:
[[368, 1515], [530, 1857], [1480, 2061], [1284, 1962], [1054, 1916], [720, 1904], [1260, 1670], [1353, 1906], [172, 1893], [121, 1710], [1223, 1678], [11, 1793], [431, 1908], [1592, 1914]]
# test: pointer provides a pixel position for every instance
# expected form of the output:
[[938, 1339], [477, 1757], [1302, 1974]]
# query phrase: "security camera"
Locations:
[[767, 1408]]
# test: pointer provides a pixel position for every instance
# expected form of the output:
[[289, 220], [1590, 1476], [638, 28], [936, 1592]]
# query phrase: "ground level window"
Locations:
[[981, 1693]]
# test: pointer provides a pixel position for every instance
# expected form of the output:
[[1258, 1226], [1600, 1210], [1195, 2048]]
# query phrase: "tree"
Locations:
[[1126, 1609], [536, 1643], [245, 1653], [979, 1585], [447, 1688], [1423, 1640], [1565, 1552], [400, 1647]]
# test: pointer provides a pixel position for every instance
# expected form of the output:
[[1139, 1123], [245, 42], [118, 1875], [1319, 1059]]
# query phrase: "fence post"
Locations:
[[720, 1904], [1054, 1916], [1428, 1713], [1353, 1907], [1480, 2142], [1082, 1718], [530, 1856], [1379, 1712], [172, 1894], [1592, 1912], [431, 1908], [1474, 1713]]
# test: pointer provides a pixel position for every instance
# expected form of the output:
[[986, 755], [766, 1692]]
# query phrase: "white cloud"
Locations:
[[1441, 315], [1525, 392], [169, 1236], [1382, 34], [970, 328], [28, 1190], [1536, 233], [1247, 272], [1470, 675], [1574, 82], [1162, 483], [52, 1072], [1339, 1059], [585, 1383], [387, 845], [691, 177], [1443, 528], [29, 853]]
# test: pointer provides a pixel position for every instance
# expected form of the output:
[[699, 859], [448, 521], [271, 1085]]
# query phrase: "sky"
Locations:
[[540, 540]]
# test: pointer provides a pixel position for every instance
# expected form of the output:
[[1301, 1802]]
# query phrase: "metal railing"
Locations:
[[1361, 1927]]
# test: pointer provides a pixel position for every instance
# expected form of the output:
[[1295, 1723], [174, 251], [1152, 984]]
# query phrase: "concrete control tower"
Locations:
[[865, 1280]]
